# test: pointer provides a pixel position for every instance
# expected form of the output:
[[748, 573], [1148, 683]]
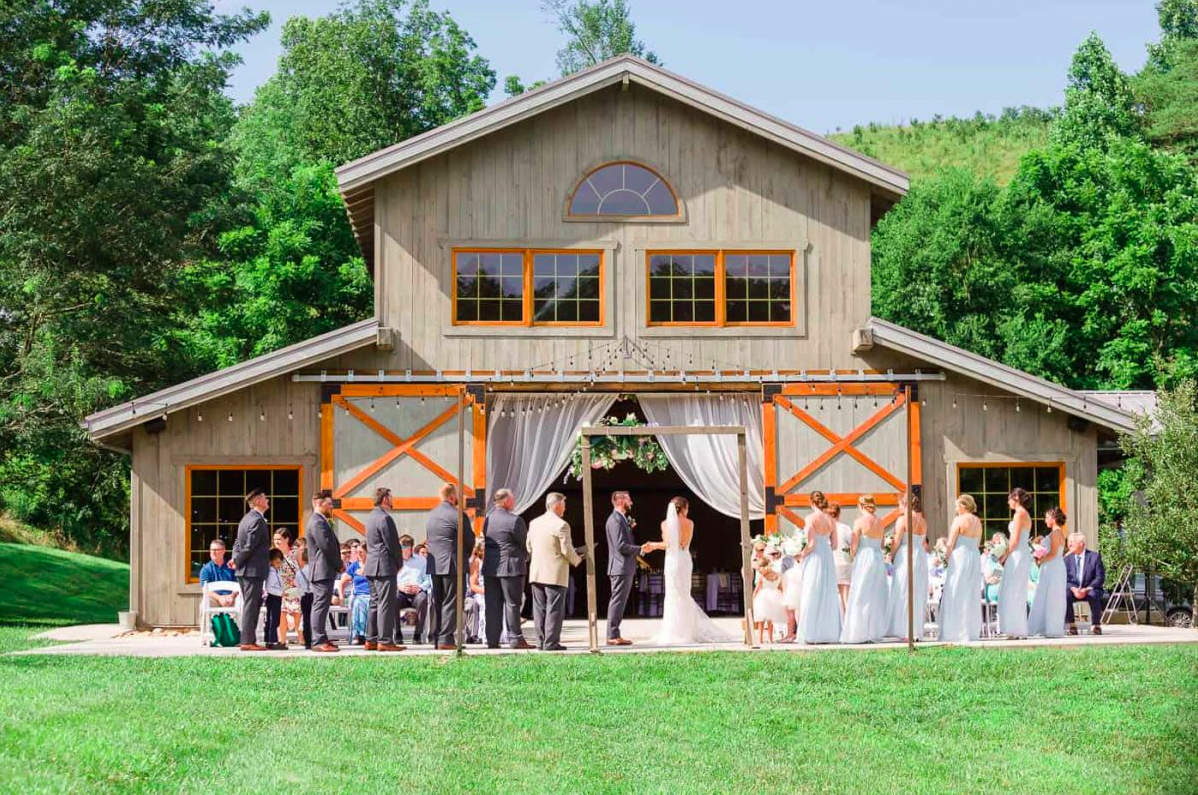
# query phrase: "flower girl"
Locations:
[[767, 595]]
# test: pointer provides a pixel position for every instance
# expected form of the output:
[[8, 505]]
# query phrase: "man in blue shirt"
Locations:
[[217, 570], [413, 583]]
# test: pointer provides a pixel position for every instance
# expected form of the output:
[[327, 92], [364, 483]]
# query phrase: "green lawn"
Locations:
[[978, 720]]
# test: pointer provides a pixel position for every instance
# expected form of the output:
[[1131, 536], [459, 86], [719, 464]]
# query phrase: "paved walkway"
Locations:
[[107, 639]]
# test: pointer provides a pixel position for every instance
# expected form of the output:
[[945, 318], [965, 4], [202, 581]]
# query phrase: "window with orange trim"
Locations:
[[528, 287], [721, 288], [989, 484], [216, 503]]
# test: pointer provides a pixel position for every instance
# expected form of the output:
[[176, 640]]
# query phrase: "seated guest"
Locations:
[[1085, 577], [477, 626], [274, 601], [355, 582], [340, 597], [414, 585], [217, 569]]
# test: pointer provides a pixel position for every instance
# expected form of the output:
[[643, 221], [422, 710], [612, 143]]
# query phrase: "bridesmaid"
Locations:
[[1016, 565], [819, 603], [1048, 605], [898, 585], [865, 616], [960, 603]]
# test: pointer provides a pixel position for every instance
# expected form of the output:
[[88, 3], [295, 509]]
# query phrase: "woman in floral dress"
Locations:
[[285, 543]]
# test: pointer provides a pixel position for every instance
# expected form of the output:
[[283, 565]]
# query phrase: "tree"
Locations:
[[1179, 22], [1099, 101], [1162, 528], [1169, 96], [360, 79], [113, 172], [595, 31]]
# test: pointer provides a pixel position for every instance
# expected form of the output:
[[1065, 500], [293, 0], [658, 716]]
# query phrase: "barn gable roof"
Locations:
[[355, 179], [1082, 404]]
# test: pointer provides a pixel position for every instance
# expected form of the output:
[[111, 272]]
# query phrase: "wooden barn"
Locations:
[[619, 241]]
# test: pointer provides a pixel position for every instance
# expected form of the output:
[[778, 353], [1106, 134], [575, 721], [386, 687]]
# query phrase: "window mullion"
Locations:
[[527, 287], [721, 314]]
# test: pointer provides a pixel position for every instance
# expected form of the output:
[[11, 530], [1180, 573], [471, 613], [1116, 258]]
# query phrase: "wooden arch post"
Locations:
[[588, 508]]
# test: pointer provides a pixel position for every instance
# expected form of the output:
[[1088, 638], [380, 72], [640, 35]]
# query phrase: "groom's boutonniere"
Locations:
[[631, 521]]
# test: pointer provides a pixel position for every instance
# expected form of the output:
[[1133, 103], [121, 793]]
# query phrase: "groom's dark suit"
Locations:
[[622, 550], [1092, 575]]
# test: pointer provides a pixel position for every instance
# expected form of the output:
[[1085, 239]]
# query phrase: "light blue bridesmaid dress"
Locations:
[[819, 605], [961, 600], [897, 625], [1012, 592], [865, 616], [1048, 605]]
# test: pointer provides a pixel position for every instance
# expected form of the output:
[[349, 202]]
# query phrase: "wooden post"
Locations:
[[588, 509], [459, 596], [910, 537], [745, 541]]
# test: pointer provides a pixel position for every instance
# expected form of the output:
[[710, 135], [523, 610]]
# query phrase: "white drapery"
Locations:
[[710, 465], [530, 440]]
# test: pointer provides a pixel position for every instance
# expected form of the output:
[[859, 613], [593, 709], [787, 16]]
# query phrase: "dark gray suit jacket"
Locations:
[[324, 550], [441, 533], [622, 548], [251, 550], [383, 557], [506, 537]]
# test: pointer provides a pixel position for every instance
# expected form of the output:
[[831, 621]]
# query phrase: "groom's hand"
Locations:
[[646, 548]]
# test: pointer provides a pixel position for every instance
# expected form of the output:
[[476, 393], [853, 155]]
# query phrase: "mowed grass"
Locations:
[[975, 720], [42, 587]]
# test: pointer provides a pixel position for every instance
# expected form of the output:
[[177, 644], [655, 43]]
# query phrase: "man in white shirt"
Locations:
[[414, 585]]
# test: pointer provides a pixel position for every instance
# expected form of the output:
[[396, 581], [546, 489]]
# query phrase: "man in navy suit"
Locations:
[[1085, 577]]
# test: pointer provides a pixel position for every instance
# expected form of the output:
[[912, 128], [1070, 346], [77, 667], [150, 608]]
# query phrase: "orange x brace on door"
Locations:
[[810, 428], [403, 437]]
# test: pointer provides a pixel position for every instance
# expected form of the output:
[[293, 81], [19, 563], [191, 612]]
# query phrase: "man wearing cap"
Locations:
[[251, 557]]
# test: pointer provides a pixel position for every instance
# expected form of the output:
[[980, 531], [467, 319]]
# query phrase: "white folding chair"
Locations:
[[208, 610]]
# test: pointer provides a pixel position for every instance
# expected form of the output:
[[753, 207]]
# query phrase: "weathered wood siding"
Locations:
[[160, 592], [511, 187]]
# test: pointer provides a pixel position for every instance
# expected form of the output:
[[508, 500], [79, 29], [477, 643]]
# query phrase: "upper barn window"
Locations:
[[623, 189]]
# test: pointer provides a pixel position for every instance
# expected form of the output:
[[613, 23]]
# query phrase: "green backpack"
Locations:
[[225, 631]]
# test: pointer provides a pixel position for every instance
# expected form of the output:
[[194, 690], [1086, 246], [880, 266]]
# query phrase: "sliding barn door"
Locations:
[[842, 439], [403, 437]]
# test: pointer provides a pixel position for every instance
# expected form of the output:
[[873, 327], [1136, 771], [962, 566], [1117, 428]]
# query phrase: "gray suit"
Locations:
[[324, 564], [622, 550], [383, 559], [441, 535], [505, 560], [251, 555]]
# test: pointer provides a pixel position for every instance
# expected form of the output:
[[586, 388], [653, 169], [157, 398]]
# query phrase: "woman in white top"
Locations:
[[842, 555], [1016, 568], [960, 602]]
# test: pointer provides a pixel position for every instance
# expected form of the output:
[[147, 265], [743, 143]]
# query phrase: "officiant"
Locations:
[[551, 554]]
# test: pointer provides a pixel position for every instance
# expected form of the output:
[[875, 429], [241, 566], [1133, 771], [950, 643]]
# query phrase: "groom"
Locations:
[[621, 564]]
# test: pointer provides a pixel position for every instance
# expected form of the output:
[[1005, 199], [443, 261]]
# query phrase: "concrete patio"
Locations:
[[108, 639]]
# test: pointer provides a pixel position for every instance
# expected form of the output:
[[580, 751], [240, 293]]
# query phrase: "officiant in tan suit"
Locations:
[[551, 555]]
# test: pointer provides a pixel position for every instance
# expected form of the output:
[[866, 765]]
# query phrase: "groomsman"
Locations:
[[622, 550], [551, 555], [505, 558], [383, 559], [251, 559], [324, 564], [441, 535]]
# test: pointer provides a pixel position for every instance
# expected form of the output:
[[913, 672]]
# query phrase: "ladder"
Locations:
[[1122, 598]]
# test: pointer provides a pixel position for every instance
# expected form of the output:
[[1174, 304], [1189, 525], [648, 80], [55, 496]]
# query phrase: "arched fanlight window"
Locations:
[[623, 189]]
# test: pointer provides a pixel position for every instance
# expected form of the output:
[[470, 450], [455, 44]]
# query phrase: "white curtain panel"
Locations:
[[530, 439], [709, 465]]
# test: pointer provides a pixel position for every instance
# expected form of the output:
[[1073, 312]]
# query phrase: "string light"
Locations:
[[985, 406], [290, 413], [1017, 408], [261, 414], [954, 401], [199, 416], [230, 418]]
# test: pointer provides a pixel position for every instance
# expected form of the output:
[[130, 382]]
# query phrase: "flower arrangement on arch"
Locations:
[[607, 451]]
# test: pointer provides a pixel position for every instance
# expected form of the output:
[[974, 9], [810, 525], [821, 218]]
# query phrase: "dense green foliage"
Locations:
[[1162, 524], [986, 145], [941, 720]]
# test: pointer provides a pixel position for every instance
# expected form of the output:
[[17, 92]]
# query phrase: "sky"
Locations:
[[822, 65]]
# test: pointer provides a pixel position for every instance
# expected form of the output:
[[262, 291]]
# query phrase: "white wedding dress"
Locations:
[[682, 620]]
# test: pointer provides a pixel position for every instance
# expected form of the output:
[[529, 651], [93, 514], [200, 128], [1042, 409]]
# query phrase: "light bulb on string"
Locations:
[[230, 417], [261, 415], [954, 401], [1017, 408], [985, 406], [199, 416], [290, 413]]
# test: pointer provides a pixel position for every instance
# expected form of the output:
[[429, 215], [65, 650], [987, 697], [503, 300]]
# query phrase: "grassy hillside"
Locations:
[[47, 586], [985, 145]]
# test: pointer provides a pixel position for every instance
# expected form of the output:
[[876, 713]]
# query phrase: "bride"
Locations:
[[682, 620]]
